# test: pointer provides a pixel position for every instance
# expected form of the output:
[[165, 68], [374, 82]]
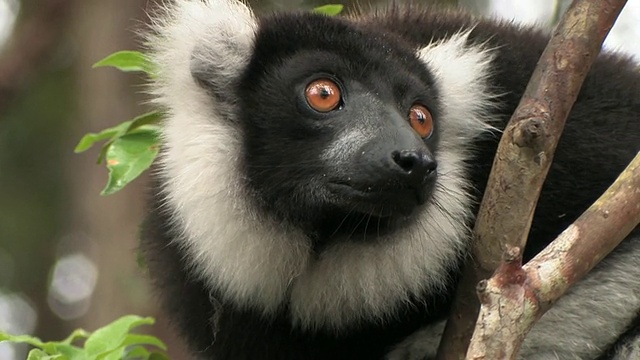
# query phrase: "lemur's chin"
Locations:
[[360, 226], [381, 203], [369, 216]]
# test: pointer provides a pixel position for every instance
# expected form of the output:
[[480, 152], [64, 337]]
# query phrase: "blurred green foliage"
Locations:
[[114, 341]]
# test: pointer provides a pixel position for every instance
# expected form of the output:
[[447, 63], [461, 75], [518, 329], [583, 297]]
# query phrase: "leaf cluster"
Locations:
[[130, 147], [114, 341]]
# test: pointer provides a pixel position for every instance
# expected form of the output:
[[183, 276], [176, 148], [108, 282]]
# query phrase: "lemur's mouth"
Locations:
[[366, 215], [378, 201]]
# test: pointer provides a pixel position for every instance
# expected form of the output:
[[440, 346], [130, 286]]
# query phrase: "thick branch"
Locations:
[[515, 297], [525, 153], [589, 239]]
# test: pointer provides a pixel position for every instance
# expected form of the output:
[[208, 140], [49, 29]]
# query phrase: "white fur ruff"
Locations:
[[258, 262]]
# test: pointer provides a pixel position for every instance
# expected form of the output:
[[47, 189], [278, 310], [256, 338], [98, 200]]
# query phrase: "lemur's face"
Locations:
[[339, 139]]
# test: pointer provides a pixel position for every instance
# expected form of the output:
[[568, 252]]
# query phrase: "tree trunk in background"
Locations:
[[109, 225]]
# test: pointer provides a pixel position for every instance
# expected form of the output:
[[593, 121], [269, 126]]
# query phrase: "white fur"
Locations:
[[462, 72], [244, 254], [258, 262]]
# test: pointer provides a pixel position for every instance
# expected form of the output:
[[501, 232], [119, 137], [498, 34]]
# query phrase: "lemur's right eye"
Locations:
[[323, 95], [421, 120]]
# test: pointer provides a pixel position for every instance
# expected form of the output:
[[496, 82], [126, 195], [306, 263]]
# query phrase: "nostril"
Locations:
[[410, 160], [430, 165], [406, 159]]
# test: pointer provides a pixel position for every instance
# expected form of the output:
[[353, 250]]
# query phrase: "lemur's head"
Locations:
[[312, 163], [339, 127]]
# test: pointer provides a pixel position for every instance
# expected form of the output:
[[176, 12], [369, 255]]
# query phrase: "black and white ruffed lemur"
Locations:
[[319, 177]]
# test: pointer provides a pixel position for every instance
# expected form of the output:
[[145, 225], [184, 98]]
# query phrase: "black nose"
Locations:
[[417, 166]]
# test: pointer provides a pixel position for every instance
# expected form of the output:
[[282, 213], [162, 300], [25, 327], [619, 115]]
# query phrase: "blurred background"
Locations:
[[67, 254]]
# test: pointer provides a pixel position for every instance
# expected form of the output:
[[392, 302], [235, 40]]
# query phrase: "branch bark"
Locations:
[[515, 297], [525, 154]]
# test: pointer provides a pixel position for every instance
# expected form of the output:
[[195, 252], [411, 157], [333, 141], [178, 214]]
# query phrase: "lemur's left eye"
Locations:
[[323, 95], [421, 120]]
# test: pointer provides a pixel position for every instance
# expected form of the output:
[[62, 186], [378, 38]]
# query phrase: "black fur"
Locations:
[[601, 137], [276, 118]]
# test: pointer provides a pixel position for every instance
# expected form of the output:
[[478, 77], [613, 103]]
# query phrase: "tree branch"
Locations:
[[515, 297], [525, 154]]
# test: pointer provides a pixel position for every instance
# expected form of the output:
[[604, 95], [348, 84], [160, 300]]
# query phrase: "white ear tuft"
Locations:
[[462, 72], [208, 41]]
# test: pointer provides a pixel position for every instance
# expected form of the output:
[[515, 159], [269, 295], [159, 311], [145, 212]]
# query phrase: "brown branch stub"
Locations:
[[525, 154], [506, 300], [530, 133]]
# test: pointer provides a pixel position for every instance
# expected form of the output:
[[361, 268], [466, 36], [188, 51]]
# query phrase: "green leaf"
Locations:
[[25, 339], [112, 342], [150, 118], [137, 352], [112, 133], [75, 335], [128, 61], [138, 339], [330, 9], [111, 337], [90, 139], [116, 354], [68, 351], [37, 354], [58, 350], [130, 155]]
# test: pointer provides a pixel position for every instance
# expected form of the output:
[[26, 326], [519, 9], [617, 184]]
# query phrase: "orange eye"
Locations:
[[323, 95], [421, 120]]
